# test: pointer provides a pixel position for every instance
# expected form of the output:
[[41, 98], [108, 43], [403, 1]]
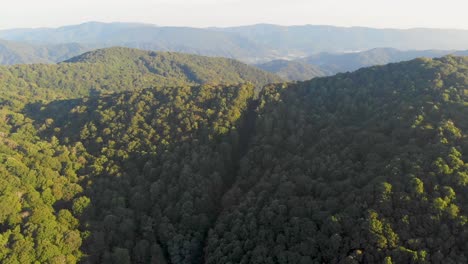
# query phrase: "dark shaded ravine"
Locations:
[[246, 130]]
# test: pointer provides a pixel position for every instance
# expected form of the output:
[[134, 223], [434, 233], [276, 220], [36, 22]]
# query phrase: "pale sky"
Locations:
[[221, 13]]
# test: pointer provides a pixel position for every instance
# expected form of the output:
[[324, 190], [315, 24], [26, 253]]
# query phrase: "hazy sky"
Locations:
[[203, 13]]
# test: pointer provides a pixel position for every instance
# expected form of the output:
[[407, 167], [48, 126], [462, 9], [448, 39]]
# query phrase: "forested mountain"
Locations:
[[21, 53], [362, 167], [343, 62], [367, 167], [45, 202], [251, 44], [121, 69], [178, 66], [293, 70]]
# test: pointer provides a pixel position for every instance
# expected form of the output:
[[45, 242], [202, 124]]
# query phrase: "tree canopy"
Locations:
[[363, 167]]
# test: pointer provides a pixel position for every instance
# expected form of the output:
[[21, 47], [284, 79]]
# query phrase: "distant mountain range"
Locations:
[[251, 44], [293, 53], [324, 64], [23, 53], [148, 37], [343, 62]]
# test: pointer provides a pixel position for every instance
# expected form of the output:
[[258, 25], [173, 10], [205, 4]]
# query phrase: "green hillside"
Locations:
[[362, 167], [367, 167], [177, 67], [47, 214]]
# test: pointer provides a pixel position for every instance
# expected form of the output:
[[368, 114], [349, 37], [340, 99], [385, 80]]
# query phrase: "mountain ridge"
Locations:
[[121, 69], [351, 61], [253, 44]]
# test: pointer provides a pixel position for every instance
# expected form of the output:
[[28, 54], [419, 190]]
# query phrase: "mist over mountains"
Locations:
[[252, 44], [343, 62]]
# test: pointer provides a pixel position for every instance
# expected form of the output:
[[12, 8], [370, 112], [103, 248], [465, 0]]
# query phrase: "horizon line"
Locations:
[[233, 26]]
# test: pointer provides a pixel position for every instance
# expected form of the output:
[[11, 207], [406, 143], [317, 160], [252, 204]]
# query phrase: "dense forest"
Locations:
[[46, 180], [366, 167], [362, 167]]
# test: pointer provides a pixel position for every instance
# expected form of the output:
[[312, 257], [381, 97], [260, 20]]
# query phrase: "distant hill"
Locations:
[[13, 53], [343, 62], [122, 69], [293, 70], [252, 44], [324, 64], [178, 66], [22, 53]]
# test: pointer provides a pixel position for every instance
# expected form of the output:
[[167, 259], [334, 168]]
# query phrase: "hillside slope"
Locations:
[[158, 163], [367, 167], [187, 67], [293, 70]]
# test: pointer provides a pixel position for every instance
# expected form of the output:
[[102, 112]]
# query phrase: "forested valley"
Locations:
[[126, 156]]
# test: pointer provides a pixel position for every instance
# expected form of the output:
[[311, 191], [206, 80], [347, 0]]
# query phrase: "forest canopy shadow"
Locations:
[[157, 164]]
